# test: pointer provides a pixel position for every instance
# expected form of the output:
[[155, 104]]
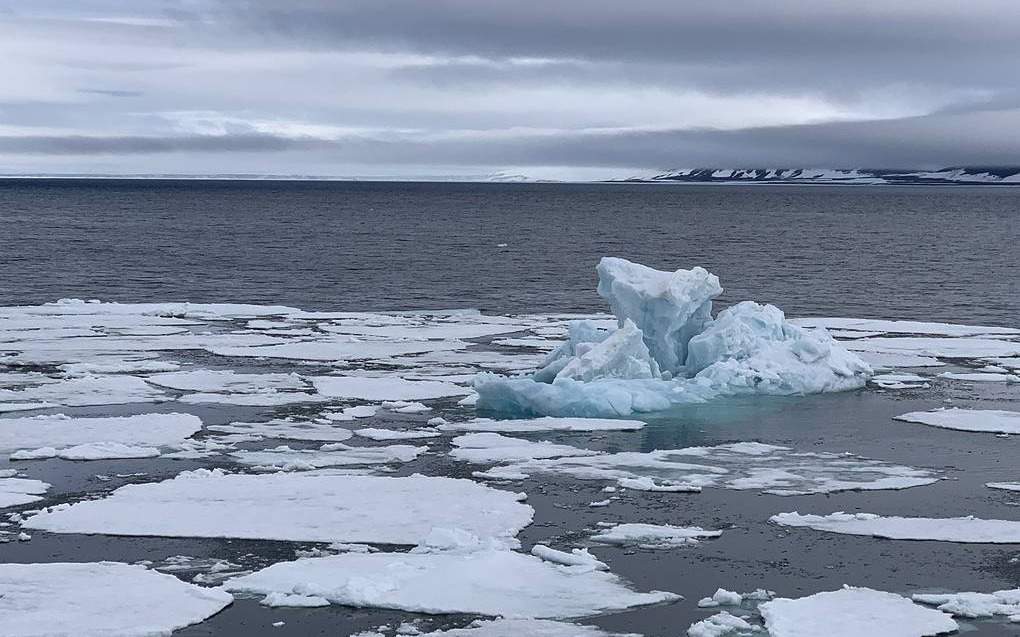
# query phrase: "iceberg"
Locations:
[[669, 350]]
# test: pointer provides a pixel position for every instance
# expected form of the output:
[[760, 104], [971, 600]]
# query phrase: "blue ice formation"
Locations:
[[669, 350]]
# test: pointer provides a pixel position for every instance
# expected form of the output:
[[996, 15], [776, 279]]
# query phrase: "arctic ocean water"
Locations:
[[899, 252], [923, 253]]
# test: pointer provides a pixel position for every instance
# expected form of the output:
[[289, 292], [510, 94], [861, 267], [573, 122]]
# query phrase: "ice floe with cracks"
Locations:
[[296, 507], [547, 423], [526, 586], [904, 327], [122, 366], [940, 347], [60, 430], [1004, 486], [388, 388], [329, 455], [88, 451], [669, 350], [373, 433], [338, 348], [975, 605], [486, 448], [964, 529], [742, 466], [525, 628], [286, 429], [16, 491], [981, 377], [653, 536], [978, 420], [100, 598], [851, 612], [86, 391]]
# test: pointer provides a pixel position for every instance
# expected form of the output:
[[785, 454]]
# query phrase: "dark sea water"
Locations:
[[940, 253]]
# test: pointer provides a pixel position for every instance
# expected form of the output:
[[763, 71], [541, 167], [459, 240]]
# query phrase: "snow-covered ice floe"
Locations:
[[547, 423], [964, 530], [723, 624], [335, 454], [102, 598], [484, 581], [487, 447], [525, 628], [981, 420], [367, 388], [61, 431], [653, 536], [852, 612], [297, 507], [669, 350], [15, 491], [742, 466], [287, 430], [975, 605]]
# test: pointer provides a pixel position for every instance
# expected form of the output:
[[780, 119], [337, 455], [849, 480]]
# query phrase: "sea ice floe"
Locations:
[[338, 348], [981, 377], [941, 347], [745, 465], [277, 600], [373, 433], [974, 605], [547, 423], [101, 598], [59, 430], [329, 455], [722, 597], [204, 380], [965, 529], [16, 491], [87, 390], [268, 398], [388, 388], [982, 420], [485, 448], [524, 628], [1004, 486], [287, 429], [88, 451], [526, 586], [294, 506], [723, 624], [851, 612], [668, 350], [576, 557], [653, 536], [900, 381], [904, 327], [886, 360]]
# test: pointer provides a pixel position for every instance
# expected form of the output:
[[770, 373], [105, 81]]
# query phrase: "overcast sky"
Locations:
[[557, 88]]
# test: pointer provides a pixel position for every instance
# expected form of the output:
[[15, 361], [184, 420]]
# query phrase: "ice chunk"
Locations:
[[525, 628], [287, 429], [653, 536], [851, 612], [103, 598], [204, 380], [106, 451], [987, 420], [387, 388], [722, 624], [973, 605], [622, 355], [277, 600], [576, 557], [543, 424], [484, 582], [16, 491], [329, 455], [484, 448], [294, 506], [667, 307], [981, 377], [397, 434], [966, 529], [59, 430], [721, 597], [87, 390]]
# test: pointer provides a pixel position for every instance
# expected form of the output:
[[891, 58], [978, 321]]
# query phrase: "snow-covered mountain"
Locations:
[[955, 175]]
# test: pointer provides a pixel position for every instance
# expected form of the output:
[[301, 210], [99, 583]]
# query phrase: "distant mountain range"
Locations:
[[970, 175]]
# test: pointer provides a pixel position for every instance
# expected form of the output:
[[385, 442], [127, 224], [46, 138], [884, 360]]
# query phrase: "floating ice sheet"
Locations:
[[1004, 486], [653, 536], [485, 582], [98, 599], [294, 506], [851, 612], [388, 388], [747, 465], [287, 429], [984, 420], [981, 377], [485, 448], [204, 380], [330, 455], [339, 348], [547, 423], [974, 605], [525, 628], [152, 430], [88, 451], [17, 491], [904, 327], [723, 624], [940, 347], [87, 390], [966, 529], [373, 433]]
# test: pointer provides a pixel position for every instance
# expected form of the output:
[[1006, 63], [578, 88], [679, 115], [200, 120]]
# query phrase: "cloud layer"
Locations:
[[398, 87]]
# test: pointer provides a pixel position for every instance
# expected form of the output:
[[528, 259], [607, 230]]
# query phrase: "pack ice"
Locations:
[[669, 350]]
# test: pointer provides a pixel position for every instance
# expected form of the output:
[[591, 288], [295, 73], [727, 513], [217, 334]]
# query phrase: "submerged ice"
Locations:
[[668, 350]]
